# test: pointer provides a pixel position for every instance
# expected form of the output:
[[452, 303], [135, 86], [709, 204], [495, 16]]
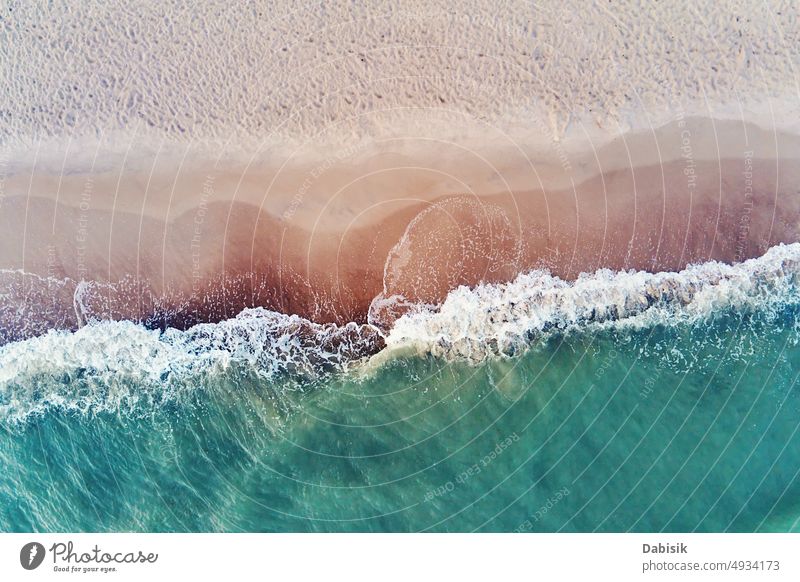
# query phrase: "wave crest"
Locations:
[[120, 365], [502, 319]]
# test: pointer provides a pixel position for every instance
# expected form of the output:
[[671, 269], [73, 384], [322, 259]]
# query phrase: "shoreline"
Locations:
[[333, 241], [487, 324]]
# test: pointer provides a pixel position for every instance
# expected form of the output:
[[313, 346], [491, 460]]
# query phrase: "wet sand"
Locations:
[[356, 235]]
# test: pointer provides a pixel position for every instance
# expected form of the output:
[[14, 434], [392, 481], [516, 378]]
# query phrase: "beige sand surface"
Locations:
[[271, 74]]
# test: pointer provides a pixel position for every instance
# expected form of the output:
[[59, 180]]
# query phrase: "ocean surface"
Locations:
[[619, 402]]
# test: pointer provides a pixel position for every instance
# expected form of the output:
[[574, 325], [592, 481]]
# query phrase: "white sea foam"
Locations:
[[500, 320], [118, 366]]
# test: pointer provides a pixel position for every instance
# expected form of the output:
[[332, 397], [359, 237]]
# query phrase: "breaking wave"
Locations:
[[502, 319], [121, 366]]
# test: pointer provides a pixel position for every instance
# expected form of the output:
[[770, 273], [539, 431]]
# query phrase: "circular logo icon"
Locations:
[[31, 555]]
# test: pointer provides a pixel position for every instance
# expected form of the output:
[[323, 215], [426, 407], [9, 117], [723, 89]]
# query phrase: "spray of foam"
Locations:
[[119, 366], [500, 320]]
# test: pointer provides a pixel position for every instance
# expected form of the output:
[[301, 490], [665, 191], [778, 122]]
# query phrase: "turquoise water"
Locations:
[[684, 427]]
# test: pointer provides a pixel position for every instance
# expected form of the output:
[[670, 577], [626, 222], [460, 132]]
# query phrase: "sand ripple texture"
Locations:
[[269, 72]]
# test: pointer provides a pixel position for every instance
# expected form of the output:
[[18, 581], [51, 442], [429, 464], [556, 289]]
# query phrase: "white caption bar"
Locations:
[[356, 557]]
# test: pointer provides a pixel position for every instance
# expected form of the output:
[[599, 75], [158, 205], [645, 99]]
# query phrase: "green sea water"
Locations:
[[690, 427]]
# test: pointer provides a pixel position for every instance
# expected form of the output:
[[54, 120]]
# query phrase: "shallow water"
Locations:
[[689, 426]]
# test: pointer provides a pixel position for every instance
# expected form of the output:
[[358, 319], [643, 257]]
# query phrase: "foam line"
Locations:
[[119, 366], [500, 320]]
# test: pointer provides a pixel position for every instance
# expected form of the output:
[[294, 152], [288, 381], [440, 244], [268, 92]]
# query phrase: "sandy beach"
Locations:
[[366, 180]]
